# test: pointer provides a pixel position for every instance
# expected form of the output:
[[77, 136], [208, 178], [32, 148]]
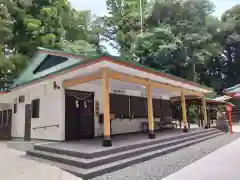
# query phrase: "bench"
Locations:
[[160, 125]]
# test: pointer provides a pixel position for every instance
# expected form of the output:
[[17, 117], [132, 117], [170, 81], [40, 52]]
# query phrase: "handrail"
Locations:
[[45, 127]]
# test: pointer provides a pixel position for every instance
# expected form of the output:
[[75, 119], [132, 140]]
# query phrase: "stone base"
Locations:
[[185, 130], [207, 126], [151, 135], [107, 142]]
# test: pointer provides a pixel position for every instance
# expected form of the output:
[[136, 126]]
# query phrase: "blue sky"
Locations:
[[98, 6]]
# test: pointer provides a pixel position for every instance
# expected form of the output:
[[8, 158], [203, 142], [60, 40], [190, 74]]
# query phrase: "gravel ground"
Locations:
[[163, 166]]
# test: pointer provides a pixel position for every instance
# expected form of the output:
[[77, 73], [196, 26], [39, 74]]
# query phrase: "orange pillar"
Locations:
[[151, 134], [184, 113], [106, 114], [204, 108]]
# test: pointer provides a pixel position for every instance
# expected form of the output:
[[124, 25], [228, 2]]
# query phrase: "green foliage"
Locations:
[[10, 67], [123, 23], [180, 37], [79, 47], [26, 25]]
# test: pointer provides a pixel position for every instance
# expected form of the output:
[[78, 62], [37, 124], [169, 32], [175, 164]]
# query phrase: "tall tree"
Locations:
[[25, 25], [123, 23], [187, 20]]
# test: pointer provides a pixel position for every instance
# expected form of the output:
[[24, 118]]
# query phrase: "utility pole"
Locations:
[[141, 16]]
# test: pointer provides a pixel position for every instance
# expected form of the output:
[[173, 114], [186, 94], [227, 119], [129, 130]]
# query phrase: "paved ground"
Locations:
[[13, 167], [163, 166], [236, 128], [226, 163]]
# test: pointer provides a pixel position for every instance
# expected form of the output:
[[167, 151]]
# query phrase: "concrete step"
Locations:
[[109, 151], [106, 168], [94, 162]]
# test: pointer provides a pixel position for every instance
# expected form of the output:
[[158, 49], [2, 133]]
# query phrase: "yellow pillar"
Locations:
[[184, 113], [151, 134], [204, 110], [106, 114]]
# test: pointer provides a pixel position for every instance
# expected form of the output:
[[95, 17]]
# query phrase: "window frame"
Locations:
[[15, 108], [35, 111], [115, 100], [39, 69], [138, 113], [155, 108]]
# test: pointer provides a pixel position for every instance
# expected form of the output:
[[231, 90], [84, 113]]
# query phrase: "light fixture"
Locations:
[[55, 86]]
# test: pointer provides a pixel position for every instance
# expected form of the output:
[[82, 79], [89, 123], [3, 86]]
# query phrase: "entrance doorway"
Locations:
[[27, 132], [79, 115]]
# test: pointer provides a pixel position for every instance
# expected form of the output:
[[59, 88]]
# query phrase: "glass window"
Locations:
[[119, 105], [35, 108], [156, 108], [15, 108], [138, 107], [49, 62]]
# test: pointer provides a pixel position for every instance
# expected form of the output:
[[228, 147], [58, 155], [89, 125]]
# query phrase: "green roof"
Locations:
[[232, 88], [86, 59]]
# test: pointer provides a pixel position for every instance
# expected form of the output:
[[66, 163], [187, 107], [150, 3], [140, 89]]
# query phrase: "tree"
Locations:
[[231, 32], [38, 24], [26, 25], [123, 24], [5, 24], [11, 63], [187, 20]]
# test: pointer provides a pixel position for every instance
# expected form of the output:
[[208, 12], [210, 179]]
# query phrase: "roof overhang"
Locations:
[[223, 98], [88, 67], [125, 73], [197, 99]]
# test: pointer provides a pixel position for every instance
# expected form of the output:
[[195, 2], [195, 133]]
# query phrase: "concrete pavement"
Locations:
[[14, 167], [223, 164]]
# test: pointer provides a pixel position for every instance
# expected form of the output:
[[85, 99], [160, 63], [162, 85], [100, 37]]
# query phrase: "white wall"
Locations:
[[51, 111]]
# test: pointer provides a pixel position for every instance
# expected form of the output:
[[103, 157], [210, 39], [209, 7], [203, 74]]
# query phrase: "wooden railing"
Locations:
[[45, 127]]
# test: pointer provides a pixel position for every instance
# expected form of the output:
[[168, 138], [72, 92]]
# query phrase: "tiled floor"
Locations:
[[95, 145]]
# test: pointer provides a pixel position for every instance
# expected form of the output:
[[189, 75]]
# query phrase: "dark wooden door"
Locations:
[[79, 120], [1, 125], [4, 125], [87, 117], [71, 118], [9, 124], [27, 132]]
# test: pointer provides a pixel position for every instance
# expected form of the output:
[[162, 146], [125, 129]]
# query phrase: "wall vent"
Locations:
[[21, 99]]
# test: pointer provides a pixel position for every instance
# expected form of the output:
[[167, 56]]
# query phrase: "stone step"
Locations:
[[94, 162], [106, 168], [109, 151]]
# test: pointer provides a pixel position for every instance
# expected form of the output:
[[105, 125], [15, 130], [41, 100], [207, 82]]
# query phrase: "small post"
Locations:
[[204, 110]]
